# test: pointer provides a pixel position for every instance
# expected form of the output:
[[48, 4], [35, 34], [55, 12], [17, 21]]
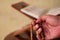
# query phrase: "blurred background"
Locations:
[[12, 20]]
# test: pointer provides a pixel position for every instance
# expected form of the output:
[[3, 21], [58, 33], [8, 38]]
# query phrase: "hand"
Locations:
[[51, 26]]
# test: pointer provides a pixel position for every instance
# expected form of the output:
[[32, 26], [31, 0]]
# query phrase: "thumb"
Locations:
[[50, 19]]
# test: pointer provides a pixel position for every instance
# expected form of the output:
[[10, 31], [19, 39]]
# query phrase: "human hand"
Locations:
[[51, 26]]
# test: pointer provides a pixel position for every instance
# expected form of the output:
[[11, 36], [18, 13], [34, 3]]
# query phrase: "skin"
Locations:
[[51, 26]]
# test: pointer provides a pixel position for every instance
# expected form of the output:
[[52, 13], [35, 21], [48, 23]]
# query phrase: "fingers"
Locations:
[[36, 27], [38, 33], [33, 22], [38, 20], [47, 25]]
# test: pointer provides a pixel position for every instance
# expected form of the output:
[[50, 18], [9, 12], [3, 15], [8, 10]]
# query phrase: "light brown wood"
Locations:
[[31, 31]]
